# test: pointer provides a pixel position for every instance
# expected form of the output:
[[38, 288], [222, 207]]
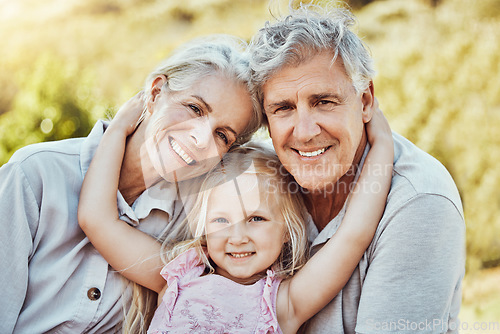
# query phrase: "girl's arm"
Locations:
[[326, 273], [128, 250]]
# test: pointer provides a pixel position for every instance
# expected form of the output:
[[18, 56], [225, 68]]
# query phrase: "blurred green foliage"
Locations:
[[63, 66], [52, 102], [439, 84]]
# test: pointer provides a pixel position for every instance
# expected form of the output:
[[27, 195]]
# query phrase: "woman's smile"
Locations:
[[188, 159]]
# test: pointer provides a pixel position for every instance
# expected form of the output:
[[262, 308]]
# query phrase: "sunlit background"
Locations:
[[66, 63]]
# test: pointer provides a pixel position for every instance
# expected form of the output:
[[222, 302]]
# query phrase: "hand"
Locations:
[[129, 114], [378, 128]]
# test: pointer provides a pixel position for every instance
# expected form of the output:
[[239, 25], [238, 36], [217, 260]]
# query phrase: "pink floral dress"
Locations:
[[212, 303]]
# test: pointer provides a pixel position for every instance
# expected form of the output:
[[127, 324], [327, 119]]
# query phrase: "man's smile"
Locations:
[[312, 153]]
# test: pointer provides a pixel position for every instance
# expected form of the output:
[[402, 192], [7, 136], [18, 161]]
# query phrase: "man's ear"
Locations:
[[368, 101], [155, 90]]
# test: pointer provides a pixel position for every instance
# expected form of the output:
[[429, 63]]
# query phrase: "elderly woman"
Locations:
[[196, 106]]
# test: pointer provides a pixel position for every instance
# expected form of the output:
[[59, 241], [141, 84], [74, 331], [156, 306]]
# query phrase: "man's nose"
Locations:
[[305, 125]]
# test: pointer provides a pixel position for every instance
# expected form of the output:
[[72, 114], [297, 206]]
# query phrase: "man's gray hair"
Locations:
[[217, 54], [307, 31]]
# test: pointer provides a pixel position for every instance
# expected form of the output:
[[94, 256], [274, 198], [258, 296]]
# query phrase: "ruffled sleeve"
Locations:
[[183, 268], [268, 319]]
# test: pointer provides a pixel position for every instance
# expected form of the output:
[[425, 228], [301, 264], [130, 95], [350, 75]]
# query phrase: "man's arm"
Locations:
[[416, 268], [19, 215]]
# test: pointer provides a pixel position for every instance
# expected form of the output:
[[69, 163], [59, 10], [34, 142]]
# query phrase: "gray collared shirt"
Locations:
[[410, 277], [53, 280]]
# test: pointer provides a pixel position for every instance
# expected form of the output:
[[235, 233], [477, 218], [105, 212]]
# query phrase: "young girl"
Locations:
[[239, 274]]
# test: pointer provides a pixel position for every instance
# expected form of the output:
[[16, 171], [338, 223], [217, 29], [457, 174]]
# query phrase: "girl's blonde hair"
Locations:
[[276, 185]]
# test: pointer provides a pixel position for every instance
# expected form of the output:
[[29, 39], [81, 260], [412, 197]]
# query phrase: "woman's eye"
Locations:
[[223, 137], [195, 109]]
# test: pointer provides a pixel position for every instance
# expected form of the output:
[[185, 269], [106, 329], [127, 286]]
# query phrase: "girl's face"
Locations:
[[187, 132], [245, 231]]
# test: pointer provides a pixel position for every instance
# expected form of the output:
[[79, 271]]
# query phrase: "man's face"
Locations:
[[316, 120]]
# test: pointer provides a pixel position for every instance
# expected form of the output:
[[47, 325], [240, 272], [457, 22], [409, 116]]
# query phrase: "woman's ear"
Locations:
[[368, 101], [156, 87]]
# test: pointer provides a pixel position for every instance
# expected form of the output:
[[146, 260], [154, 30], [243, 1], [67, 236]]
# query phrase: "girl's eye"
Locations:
[[220, 220], [223, 137], [195, 109], [257, 219]]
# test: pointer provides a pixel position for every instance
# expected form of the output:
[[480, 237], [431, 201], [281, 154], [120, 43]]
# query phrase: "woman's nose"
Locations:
[[201, 133]]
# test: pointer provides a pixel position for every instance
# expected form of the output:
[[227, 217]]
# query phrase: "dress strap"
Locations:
[[186, 265], [268, 319]]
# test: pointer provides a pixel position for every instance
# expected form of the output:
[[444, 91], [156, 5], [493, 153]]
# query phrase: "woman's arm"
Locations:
[[326, 273], [128, 250]]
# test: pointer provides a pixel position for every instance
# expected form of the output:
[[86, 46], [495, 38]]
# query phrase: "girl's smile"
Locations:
[[241, 255]]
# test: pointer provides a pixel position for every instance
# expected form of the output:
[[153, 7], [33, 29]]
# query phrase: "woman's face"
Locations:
[[187, 132]]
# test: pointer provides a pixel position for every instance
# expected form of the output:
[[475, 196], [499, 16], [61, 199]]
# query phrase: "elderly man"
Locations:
[[317, 92]]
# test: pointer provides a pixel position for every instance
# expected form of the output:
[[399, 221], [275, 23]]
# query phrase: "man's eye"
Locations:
[[281, 109], [277, 110], [329, 103]]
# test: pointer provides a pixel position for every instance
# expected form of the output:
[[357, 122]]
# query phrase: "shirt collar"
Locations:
[[315, 237], [160, 196]]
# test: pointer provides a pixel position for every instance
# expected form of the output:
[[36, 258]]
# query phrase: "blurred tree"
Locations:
[[8, 91], [439, 83], [356, 4], [432, 3], [53, 102]]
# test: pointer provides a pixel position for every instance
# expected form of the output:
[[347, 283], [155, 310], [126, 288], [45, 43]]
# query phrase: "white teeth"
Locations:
[[239, 255], [180, 152], [312, 154]]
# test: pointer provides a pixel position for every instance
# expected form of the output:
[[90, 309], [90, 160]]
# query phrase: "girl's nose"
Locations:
[[238, 233]]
